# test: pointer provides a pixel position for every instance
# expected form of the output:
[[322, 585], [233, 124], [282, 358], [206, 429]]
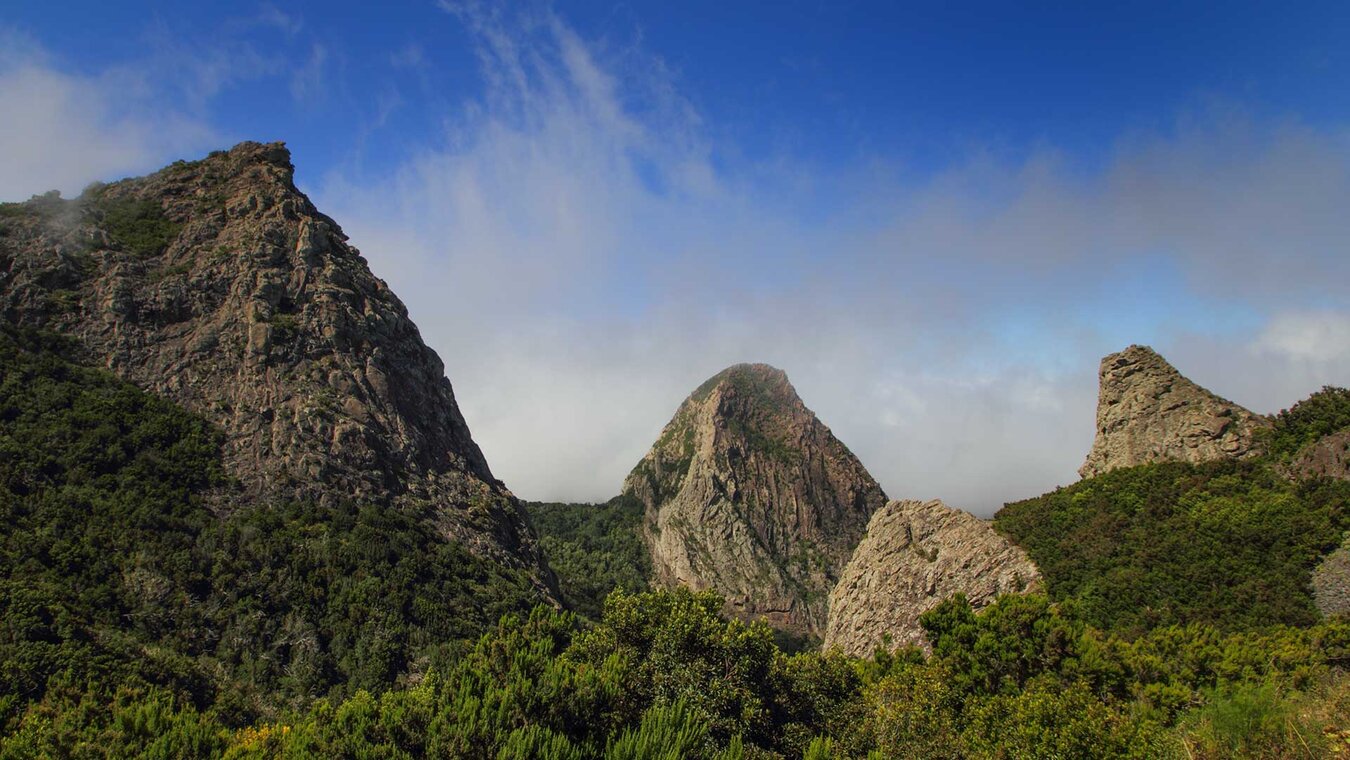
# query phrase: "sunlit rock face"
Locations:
[[915, 555], [1149, 412], [749, 494], [218, 284]]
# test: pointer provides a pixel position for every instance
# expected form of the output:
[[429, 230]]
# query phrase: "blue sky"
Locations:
[[935, 218]]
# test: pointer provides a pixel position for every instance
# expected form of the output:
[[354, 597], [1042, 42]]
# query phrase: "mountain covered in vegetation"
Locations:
[[216, 284], [241, 516]]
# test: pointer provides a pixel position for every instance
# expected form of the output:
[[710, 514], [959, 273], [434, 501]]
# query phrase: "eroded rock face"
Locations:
[[217, 284], [915, 555], [747, 493], [1328, 457], [1148, 412]]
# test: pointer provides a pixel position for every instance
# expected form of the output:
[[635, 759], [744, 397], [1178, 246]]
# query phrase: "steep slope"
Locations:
[[915, 555], [115, 573], [1232, 544], [218, 285], [593, 549], [1149, 412], [747, 493]]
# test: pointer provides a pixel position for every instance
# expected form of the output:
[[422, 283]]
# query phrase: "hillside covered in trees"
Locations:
[[137, 621]]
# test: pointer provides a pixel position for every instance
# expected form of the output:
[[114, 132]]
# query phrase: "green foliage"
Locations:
[[1231, 544], [593, 549], [1050, 720], [137, 226], [134, 621], [114, 570], [661, 675], [1324, 412]]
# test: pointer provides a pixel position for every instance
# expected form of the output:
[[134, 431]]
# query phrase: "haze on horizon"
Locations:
[[936, 221]]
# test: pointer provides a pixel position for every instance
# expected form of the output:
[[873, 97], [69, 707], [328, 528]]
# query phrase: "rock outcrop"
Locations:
[[219, 285], [915, 555], [747, 493], [1148, 412], [1331, 582], [1328, 457]]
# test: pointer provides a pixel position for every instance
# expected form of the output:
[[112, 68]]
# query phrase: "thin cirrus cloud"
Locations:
[[583, 253]]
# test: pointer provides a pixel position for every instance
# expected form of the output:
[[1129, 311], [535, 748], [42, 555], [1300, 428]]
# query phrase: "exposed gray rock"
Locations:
[[217, 284], [1148, 412], [747, 493], [915, 555], [1331, 582]]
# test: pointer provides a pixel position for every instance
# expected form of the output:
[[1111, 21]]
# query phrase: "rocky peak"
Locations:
[[1148, 412], [218, 284], [748, 493], [915, 555]]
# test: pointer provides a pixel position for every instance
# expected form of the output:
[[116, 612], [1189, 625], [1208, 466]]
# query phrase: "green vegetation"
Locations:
[[1230, 544], [1324, 412], [661, 675], [137, 226], [115, 571], [593, 549], [139, 616]]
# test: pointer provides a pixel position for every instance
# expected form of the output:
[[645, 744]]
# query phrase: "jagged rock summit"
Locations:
[[749, 494], [1148, 412], [218, 284], [915, 555]]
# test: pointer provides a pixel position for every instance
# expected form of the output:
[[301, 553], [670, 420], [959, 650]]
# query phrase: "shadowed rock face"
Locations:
[[1148, 412], [218, 285], [1328, 457], [747, 493], [915, 555]]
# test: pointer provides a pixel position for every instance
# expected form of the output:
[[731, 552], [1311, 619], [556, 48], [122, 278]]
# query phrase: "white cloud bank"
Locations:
[[60, 129], [583, 256]]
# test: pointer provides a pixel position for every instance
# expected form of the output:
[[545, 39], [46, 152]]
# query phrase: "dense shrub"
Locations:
[[1324, 412], [593, 549], [1231, 544]]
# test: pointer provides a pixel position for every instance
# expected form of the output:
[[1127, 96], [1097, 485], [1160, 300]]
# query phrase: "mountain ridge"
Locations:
[[218, 285]]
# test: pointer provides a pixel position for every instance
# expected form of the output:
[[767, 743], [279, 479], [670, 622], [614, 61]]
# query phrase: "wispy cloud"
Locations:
[[309, 82], [583, 254]]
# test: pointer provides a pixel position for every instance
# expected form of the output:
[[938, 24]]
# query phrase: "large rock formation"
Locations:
[[217, 284], [1148, 412], [747, 493], [917, 554]]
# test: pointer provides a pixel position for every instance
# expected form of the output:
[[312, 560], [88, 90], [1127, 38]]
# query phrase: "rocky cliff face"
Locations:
[[217, 284], [1148, 412], [915, 555], [747, 493]]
